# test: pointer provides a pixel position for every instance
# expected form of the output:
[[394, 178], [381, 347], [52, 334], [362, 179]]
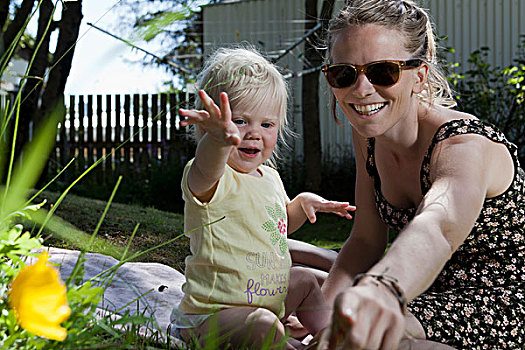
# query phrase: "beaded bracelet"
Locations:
[[388, 281]]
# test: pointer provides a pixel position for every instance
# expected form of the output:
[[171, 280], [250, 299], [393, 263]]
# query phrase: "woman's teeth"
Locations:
[[369, 109]]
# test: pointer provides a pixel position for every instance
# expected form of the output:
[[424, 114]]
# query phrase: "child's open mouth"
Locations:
[[249, 152]]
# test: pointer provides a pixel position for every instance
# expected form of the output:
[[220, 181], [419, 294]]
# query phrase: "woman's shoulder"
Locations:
[[438, 117], [445, 123]]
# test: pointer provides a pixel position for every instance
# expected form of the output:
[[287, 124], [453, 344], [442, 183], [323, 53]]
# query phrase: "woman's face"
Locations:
[[375, 110]]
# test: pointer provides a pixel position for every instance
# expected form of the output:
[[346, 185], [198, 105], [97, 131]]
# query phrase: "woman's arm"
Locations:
[[369, 237], [462, 176]]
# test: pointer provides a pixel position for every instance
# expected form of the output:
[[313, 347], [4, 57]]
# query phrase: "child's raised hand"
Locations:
[[214, 120], [312, 203]]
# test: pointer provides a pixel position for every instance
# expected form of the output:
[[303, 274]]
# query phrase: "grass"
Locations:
[[81, 216]]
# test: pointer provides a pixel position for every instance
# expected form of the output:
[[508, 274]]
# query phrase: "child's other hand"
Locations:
[[312, 203], [214, 120]]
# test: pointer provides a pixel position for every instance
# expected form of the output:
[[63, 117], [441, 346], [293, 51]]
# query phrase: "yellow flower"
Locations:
[[39, 299]]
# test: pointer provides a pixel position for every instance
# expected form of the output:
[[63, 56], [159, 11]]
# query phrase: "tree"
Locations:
[[310, 96], [43, 87], [176, 25]]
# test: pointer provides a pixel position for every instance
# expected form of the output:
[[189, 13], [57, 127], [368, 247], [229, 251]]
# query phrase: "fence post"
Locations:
[[67, 138], [144, 159], [135, 131], [126, 125], [108, 162], [90, 156], [154, 127], [99, 144], [81, 133]]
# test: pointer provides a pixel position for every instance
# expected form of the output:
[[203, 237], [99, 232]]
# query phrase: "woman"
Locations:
[[449, 183]]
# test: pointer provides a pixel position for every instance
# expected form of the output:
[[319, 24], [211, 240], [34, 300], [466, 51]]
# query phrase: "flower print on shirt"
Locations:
[[277, 227]]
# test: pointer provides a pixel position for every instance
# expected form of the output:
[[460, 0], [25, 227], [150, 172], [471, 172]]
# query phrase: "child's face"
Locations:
[[258, 130]]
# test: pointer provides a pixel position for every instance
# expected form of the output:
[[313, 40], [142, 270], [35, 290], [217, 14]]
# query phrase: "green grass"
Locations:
[[83, 214], [79, 217], [330, 231]]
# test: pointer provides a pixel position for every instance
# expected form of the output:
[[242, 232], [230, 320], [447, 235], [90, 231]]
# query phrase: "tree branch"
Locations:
[[17, 24]]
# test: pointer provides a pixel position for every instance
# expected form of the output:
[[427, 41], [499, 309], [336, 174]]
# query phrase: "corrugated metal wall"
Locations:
[[471, 24], [274, 25]]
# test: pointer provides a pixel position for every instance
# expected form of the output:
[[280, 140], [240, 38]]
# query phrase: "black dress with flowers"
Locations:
[[478, 299]]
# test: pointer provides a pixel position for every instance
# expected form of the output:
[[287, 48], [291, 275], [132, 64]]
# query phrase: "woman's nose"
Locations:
[[362, 86]]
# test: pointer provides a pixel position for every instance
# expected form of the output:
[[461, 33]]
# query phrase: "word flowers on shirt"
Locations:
[[277, 227], [257, 289], [270, 275]]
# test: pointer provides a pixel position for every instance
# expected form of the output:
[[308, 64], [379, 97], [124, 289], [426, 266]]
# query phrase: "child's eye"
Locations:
[[267, 125], [239, 121]]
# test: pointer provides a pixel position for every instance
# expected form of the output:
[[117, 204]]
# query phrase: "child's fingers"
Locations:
[[337, 206], [209, 104], [340, 208], [310, 214], [192, 116], [225, 108], [234, 139]]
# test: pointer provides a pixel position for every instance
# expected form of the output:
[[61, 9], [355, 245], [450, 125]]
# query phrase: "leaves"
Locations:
[[150, 28], [495, 94]]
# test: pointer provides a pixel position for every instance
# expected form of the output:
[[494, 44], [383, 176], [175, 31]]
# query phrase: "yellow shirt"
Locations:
[[242, 260]]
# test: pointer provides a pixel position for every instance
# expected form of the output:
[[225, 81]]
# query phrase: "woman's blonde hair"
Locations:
[[249, 79], [415, 26]]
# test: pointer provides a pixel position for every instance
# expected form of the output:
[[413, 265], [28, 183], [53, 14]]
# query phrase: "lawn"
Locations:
[[76, 219]]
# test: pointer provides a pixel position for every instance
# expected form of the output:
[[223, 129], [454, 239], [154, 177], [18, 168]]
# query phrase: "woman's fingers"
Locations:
[[343, 321], [361, 321], [393, 335]]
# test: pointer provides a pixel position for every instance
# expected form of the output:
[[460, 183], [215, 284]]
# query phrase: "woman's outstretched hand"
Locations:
[[364, 317]]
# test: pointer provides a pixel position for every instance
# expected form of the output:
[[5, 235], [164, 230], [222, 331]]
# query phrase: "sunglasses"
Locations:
[[380, 73]]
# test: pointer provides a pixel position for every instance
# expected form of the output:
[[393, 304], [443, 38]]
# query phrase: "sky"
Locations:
[[103, 64]]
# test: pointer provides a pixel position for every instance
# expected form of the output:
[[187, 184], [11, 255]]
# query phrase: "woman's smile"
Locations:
[[368, 109]]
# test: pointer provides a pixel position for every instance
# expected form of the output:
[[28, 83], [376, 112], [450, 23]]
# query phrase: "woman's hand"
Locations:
[[214, 120], [367, 316]]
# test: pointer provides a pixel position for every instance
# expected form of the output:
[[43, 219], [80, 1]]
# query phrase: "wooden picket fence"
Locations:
[[131, 133]]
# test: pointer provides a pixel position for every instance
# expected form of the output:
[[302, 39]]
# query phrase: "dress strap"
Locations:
[[371, 168], [461, 127]]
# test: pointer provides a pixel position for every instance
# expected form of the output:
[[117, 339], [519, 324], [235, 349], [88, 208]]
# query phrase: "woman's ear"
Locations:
[[420, 78]]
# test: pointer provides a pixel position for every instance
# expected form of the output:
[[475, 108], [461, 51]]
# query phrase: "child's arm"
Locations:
[[214, 147], [306, 204]]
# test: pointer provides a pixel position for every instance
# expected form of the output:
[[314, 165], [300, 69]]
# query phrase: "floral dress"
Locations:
[[478, 299]]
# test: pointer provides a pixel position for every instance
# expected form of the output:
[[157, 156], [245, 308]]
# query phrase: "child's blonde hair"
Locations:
[[249, 79]]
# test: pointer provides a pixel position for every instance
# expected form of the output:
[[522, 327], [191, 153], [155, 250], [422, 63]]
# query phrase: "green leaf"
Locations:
[[154, 26]]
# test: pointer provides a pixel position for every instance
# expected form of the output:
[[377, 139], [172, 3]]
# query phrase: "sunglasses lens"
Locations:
[[383, 73], [340, 76]]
